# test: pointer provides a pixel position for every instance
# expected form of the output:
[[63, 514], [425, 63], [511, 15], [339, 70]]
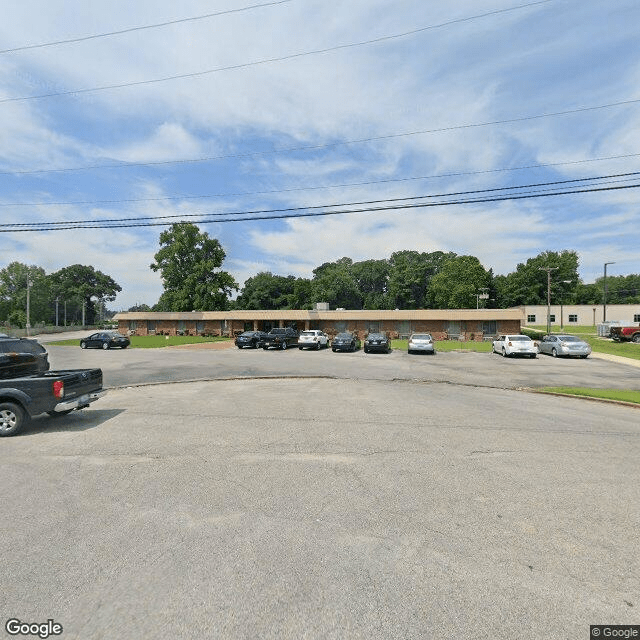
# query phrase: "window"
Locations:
[[531, 318], [133, 325], [199, 327], [636, 317], [552, 317], [151, 326], [373, 327], [573, 317], [490, 328]]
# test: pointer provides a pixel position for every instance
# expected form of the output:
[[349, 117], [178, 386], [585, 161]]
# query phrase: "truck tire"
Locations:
[[12, 418], [636, 338]]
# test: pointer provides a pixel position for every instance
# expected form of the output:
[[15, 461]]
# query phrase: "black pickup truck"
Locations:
[[28, 388], [280, 338]]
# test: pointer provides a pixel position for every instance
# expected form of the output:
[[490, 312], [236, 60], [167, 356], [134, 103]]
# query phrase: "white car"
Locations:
[[421, 342], [313, 339], [515, 345]]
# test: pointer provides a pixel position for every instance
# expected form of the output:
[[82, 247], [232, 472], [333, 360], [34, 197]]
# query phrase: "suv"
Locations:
[[22, 357], [313, 339]]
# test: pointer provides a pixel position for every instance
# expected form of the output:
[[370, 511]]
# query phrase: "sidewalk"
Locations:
[[619, 359]]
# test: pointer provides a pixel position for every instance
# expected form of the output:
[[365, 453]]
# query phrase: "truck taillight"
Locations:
[[58, 389]]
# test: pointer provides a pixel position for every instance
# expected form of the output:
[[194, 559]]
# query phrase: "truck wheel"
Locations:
[[11, 418], [636, 338]]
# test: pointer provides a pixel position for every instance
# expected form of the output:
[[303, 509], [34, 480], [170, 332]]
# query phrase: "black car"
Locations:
[[345, 342], [252, 339], [377, 342], [22, 357], [105, 340]]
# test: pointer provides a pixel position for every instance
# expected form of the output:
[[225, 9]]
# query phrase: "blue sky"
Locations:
[[221, 141]]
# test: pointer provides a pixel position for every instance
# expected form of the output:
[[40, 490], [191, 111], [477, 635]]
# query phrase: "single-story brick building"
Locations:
[[459, 324]]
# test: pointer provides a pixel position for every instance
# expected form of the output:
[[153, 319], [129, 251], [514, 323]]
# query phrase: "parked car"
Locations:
[[377, 342], [22, 357], [345, 342], [564, 345], [515, 345], [105, 340], [251, 339], [313, 339], [421, 342], [280, 338]]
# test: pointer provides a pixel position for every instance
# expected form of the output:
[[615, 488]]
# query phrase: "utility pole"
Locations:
[[57, 300], [28, 325], [548, 270], [604, 305]]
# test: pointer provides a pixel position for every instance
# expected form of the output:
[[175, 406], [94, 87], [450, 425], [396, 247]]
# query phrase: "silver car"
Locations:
[[564, 345], [421, 342]]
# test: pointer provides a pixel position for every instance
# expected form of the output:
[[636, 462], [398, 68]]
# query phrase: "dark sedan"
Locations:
[[377, 342], [105, 340], [251, 339], [345, 342]]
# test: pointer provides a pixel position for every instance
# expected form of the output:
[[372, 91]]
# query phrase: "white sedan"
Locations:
[[515, 345], [312, 339]]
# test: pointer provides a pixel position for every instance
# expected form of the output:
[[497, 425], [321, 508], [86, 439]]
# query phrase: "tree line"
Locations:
[[190, 262]]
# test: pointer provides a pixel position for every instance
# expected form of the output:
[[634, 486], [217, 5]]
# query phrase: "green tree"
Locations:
[[372, 279], [78, 284], [334, 282], [410, 275], [528, 283], [266, 291], [458, 281], [13, 294], [189, 262]]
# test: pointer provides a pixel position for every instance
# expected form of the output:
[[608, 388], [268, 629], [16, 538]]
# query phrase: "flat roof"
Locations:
[[514, 313]]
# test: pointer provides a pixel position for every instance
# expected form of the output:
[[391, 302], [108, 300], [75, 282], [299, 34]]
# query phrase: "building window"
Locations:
[[373, 327], [133, 325], [490, 328], [573, 317], [636, 317], [552, 317], [531, 318], [199, 327]]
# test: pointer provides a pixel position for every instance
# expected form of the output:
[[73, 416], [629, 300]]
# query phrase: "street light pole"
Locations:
[[28, 325], [604, 300], [548, 270]]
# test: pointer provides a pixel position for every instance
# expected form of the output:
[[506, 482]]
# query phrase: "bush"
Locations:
[[534, 334]]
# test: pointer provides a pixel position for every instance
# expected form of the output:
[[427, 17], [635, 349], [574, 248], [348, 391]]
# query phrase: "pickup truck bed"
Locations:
[[52, 392]]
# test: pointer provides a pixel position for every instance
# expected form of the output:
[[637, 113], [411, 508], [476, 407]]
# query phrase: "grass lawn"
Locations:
[[609, 394], [151, 342], [449, 345], [599, 345]]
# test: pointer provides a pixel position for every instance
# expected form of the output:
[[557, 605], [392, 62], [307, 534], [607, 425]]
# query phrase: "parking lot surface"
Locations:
[[365, 505]]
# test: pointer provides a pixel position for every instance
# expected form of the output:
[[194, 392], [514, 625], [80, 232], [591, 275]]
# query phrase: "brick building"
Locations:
[[462, 324]]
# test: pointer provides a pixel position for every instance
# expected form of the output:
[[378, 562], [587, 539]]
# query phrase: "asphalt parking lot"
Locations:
[[380, 497]]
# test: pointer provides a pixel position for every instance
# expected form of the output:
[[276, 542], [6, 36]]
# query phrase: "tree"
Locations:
[[458, 281], [189, 262], [139, 307], [528, 283], [266, 291], [372, 279], [78, 284], [13, 294], [409, 277], [334, 282]]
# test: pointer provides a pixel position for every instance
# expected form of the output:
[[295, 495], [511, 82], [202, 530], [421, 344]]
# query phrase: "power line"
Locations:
[[206, 219], [318, 187], [254, 63], [556, 183], [141, 28], [330, 145]]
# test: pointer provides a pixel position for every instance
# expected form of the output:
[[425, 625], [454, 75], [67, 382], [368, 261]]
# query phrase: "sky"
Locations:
[[155, 112]]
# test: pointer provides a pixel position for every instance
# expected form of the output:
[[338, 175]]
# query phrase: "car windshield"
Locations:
[[421, 336], [343, 336], [247, 334], [519, 339], [277, 331], [376, 336], [308, 333]]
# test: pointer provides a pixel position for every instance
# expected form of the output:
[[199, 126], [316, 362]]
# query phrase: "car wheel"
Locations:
[[124, 346], [504, 352], [11, 418], [105, 345], [317, 346], [299, 348], [332, 349], [264, 348], [533, 356], [83, 345], [366, 350], [554, 353]]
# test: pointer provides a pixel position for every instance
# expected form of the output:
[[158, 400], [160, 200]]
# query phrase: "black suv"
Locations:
[[22, 357]]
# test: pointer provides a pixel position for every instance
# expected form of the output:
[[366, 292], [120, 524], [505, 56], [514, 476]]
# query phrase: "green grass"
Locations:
[[599, 345], [449, 345], [625, 395], [151, 342]]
